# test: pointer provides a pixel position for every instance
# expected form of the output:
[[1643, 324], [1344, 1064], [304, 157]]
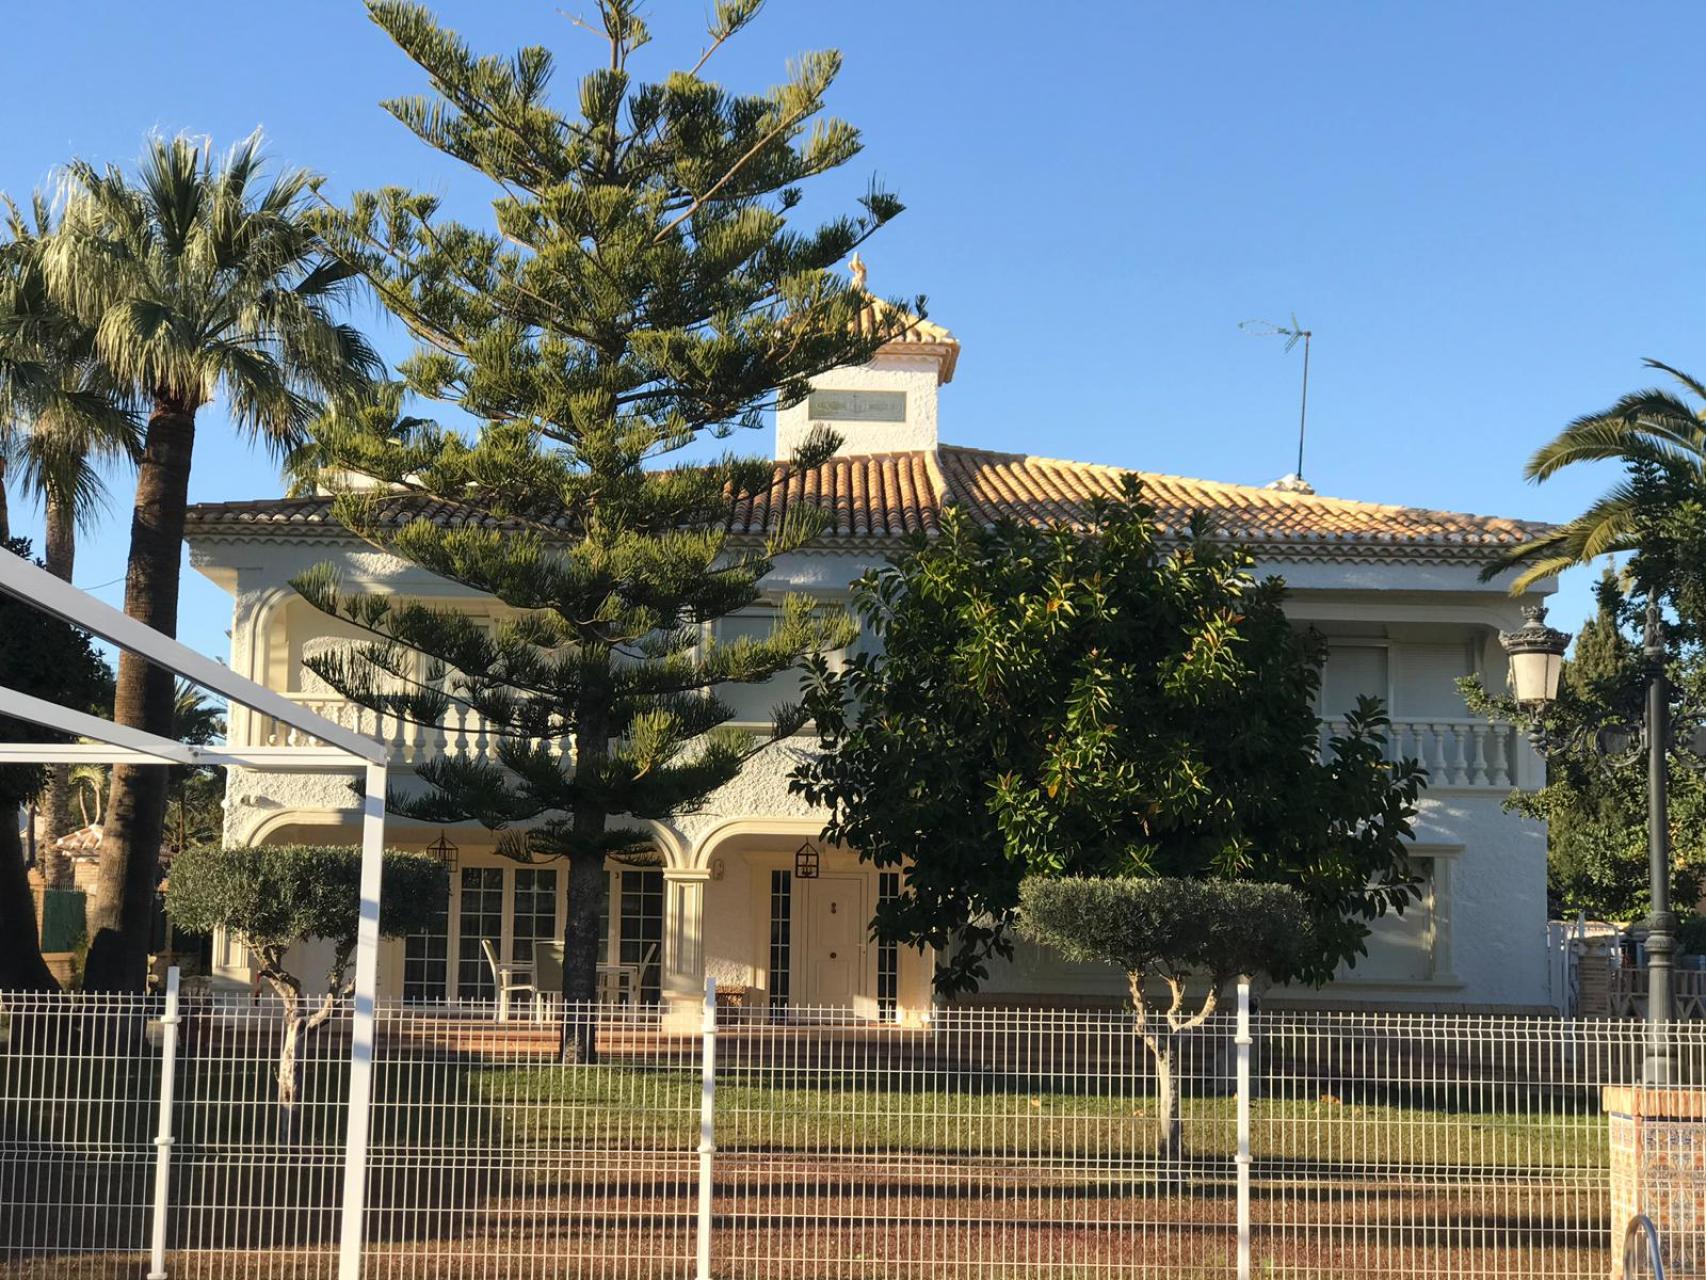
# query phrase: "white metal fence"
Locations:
[[988, 1143]]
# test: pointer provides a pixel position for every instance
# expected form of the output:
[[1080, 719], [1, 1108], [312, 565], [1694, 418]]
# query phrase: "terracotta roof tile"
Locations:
[[992, 486], [884, 496]]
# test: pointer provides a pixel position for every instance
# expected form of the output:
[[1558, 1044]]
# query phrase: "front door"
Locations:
[[828, 963]]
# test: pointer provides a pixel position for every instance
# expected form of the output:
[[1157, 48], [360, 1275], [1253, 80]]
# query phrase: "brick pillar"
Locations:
[[1658, 1167]]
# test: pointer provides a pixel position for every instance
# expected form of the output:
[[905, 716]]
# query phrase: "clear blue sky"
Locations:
[[1487, 213]]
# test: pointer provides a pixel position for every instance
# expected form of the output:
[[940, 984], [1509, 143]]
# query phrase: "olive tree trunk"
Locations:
[[122, 915], [1162, 1034], [299, 1023]]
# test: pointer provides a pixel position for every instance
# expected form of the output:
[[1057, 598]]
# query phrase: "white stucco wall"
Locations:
[[915, 376], [1492, 919]]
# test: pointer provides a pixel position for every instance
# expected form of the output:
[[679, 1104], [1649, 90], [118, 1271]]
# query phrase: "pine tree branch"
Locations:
[[782, 126]]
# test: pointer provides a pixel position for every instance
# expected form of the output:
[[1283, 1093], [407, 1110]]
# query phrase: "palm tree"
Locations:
[[63, 416], [62, 422], [1653, 432], [200, 279]]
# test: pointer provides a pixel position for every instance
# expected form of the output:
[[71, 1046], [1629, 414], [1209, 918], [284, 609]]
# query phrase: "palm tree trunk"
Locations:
[[21, 965], [5, 510], [53, 811], [123, 913], [60, 541]]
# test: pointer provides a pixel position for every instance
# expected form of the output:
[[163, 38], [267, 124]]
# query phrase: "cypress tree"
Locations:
[[640, 290]]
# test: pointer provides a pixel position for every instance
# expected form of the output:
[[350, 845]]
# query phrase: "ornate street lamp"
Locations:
[[1536, 657], [806, 861]]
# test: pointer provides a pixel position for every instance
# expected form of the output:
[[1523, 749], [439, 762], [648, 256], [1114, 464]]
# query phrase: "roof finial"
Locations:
[[856, 265]]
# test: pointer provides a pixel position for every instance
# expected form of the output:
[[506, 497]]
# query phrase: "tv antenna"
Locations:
[[1293, 334]]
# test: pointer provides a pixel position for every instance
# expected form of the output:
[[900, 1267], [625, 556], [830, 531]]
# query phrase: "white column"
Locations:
[[684, 939], [249, 612]]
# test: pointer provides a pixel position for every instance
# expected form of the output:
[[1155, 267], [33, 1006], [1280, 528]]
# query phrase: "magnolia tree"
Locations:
[[271, 898], [1195, 936], [1097, 700]]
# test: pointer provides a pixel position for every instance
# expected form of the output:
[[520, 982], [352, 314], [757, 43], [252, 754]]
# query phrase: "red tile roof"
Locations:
[[884, 496]]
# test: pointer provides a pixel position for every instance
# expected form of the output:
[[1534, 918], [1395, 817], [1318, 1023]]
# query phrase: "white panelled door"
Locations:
[[828, 958]]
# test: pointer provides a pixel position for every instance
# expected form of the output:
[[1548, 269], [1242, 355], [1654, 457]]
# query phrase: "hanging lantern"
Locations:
[[806, 860], [444, 850]]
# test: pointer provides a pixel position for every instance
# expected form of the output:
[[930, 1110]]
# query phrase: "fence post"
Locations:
[[163, 1132], [707, 1126], [1243, 1160]]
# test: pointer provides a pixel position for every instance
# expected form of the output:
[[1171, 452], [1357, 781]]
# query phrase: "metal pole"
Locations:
[[1661, 924], [163, 1133], [1243, 1042], [361, 1030], [707, 1126], [1303, 409]]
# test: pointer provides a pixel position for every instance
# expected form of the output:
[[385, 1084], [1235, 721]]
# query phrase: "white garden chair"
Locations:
[[508, 978]]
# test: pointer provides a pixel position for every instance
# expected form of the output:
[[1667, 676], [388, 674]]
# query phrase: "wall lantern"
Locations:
[[444, 851], [1537, 657], [806, 860]]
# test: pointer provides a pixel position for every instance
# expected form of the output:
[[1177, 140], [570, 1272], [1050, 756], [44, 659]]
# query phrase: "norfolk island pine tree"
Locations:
[[641, 290]]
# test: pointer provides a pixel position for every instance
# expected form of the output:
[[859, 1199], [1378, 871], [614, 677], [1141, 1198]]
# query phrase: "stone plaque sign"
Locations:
[[857, 406]]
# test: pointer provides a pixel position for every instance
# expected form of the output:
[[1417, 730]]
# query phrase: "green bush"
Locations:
[[1220, 929], [1178, 930], [271, 897]]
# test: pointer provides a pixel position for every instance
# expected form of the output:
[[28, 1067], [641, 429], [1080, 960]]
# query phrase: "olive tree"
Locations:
[[272, 898], [1193, 935]]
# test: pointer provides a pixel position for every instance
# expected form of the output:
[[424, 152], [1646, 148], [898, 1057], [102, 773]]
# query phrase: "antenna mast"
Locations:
[[1293, 335]]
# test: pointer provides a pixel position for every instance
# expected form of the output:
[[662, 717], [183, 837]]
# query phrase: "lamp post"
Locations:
[[1536, 657]]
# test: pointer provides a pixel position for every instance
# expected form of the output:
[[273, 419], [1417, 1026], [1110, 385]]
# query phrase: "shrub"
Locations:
[[273, 897], [1177, 930]]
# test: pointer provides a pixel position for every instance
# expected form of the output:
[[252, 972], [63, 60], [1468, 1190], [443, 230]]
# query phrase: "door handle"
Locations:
[[832, 955]]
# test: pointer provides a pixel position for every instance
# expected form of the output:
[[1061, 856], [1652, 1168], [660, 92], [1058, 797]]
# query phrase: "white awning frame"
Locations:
[[343, 750]]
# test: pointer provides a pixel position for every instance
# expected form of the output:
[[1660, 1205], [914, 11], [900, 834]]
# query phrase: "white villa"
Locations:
[[747, 890]]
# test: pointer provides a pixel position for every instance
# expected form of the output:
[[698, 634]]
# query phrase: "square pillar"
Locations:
[[684, 945], [1658, 1167]]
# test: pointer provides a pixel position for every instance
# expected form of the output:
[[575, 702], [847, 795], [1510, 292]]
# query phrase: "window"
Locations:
[[888, 953], [1427, 680], [535, 911], [481, 901], [426, 961], [1402, 948], [1352, 670], [781, 935], [754, 703], [640, 937]]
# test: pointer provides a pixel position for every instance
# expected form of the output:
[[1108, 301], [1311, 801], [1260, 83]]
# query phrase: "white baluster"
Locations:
[[1445, 745], [482, 741], [1478, 775], [439, 739], [415, 734], [1503, 771]]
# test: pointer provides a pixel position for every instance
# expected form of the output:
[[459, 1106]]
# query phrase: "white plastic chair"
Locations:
[[509, 979]]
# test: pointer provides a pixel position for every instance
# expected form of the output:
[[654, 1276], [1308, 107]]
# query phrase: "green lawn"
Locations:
[[621, 1106]]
